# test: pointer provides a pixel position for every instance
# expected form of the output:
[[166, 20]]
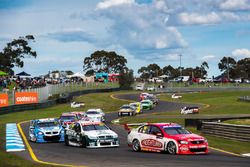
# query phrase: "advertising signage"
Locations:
[[26, 97], [3, 100]]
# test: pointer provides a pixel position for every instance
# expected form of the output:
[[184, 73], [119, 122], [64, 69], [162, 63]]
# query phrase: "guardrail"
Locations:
[[234, 132], [244, 98], [34, 106]]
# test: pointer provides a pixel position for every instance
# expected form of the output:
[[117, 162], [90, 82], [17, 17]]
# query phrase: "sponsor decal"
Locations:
[[3, 100], [151, 143], [26, 97]]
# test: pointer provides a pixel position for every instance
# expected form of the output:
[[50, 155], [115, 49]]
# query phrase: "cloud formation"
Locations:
[[241, 53]]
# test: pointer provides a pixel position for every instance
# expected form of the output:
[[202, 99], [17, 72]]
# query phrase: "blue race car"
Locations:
[[46, 130]]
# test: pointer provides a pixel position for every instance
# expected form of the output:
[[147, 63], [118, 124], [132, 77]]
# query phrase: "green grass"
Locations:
[[219, 102], [238, 121]]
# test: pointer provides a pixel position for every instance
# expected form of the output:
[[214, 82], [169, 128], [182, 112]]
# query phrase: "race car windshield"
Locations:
[[94, 127], [125, 107], [92, 112], [145, 102], [47, 124], [68, 117], [176, 130]]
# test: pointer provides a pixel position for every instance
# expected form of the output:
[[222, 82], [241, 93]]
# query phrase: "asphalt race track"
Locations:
[[123, 156]]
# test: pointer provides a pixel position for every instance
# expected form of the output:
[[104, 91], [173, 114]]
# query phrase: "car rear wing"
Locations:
[[129, 127]]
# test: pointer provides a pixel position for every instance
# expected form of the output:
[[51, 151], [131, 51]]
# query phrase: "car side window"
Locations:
[[144, 129], [154, 130]]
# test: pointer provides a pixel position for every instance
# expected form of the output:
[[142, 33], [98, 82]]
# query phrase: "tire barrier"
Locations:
[[66, 97], [229, 131], [13, 140], [244, 98]]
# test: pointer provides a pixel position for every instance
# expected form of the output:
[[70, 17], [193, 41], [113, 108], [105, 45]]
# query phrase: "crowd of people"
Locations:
[[7, 83]]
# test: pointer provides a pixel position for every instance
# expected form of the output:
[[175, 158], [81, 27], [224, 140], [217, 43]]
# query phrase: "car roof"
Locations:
[[68, 114], [94, 109], [84, 122], [46, 120], [165, 124]]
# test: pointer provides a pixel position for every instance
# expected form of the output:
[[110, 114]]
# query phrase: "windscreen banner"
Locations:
[[26, 97], [3, 100]]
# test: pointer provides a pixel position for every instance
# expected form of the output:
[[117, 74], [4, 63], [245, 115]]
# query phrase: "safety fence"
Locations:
[[48, 103], [44, 93], [234, 132]]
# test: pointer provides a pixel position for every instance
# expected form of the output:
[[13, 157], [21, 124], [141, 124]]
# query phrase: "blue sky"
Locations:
[[143, 31]]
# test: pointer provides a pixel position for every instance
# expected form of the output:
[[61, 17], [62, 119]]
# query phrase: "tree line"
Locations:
[[110, 62]]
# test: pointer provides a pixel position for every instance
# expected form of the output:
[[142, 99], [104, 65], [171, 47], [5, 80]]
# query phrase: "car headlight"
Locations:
[[92, 137], [115, 136], [183, 142], [40, 133]]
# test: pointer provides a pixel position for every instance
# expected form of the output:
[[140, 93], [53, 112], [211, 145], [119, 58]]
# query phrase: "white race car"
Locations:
[[174, 96], [96, 115], [90, 135]]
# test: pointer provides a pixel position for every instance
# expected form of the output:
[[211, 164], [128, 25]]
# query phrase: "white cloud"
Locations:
[[140, 28], [241, 53], [112, 3], [208, 57], [196, 18], [235, 5]]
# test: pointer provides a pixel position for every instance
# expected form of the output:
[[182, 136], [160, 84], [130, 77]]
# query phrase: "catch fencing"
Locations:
[[48, 103], [49, 89], [229, 131]]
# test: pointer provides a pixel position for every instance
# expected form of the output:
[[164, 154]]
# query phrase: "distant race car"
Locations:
[[168, 137], [189, 110], [46, 130], [127, 110], [96, 115], [90, 135], [79, 114], [152, 98], [143, 95], [77, 104], [68, 118], [147, 104], [137, 106], [175, 96]]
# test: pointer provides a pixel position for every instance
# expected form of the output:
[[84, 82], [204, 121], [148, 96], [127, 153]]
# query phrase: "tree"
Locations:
[[14, 53], [203, 67], [243, 68], [126, 79], [170, 71], [103, 61], [144, 73], [152, 70], [227, 65]]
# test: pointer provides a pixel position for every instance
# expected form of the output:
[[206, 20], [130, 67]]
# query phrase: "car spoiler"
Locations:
[[128, 128]]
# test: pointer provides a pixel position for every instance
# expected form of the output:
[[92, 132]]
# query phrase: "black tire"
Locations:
[[136, 145], [84, 142], [66, 140], [171, 148]]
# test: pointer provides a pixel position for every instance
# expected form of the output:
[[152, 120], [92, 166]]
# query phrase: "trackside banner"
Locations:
[[26, 97], [3, 100]]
